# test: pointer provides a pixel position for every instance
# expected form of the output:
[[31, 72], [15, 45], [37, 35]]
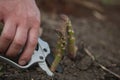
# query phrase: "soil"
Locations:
[[102, 38]]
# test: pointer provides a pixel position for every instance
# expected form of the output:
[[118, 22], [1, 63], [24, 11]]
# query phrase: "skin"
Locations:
[[21, 20]]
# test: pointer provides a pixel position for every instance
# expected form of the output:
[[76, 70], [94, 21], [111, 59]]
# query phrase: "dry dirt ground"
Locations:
[[102, 39]]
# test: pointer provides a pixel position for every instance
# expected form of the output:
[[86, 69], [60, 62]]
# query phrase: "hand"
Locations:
[[21, 20]]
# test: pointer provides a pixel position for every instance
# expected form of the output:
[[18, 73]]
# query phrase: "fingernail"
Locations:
[[22, 62]]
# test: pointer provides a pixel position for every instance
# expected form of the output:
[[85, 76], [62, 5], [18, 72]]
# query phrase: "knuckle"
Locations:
[[18, 44], [33, 42], [7, 37], [34, 20]]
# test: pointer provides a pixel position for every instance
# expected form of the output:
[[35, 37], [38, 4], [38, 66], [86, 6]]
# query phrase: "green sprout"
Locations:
[[65, 42], [60, 46]]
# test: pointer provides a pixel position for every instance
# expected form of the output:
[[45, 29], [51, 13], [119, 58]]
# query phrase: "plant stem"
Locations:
[[71, 47], [60, 46]]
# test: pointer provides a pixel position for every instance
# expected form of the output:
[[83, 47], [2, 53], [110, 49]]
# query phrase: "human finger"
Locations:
[[7, 35], [30, 46], [19, 41]]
